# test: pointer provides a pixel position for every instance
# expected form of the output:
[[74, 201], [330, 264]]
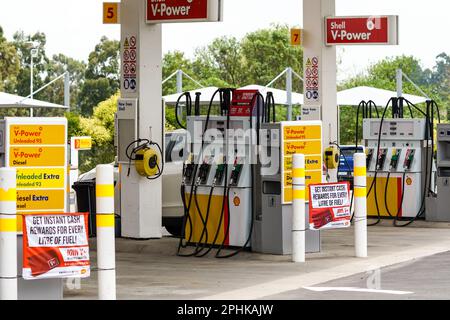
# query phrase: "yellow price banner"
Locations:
[[302, 133], [37, 156], [110, 12], [304, 147], [40, 200], [311, 163], [37, 134], [50, 178]]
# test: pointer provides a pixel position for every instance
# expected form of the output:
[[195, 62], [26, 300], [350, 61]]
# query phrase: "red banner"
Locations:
[[361, 30], [55, 246], [240, 105], [163, 10], [329, 206]]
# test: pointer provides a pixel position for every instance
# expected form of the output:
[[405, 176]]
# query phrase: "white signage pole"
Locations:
[[319, 69], [141, 205]]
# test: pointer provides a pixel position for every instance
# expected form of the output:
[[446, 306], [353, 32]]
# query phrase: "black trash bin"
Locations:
[[86, 202], [85, 191]]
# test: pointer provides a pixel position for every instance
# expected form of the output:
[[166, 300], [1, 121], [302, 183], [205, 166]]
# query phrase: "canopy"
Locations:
[[205, 98], [280, 96], [353, 96], [8, 100]]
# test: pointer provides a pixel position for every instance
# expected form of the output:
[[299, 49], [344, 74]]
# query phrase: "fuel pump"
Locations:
[[217, 178], [399, 162]]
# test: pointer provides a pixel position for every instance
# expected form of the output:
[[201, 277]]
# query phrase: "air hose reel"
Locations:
[[147, 157]]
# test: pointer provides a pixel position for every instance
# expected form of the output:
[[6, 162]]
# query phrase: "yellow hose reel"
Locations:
[[147, 162], [332, 157]]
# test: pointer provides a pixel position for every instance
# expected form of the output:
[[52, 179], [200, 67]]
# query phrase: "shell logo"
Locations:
[[83, 271], [237, 201], [409, 181]]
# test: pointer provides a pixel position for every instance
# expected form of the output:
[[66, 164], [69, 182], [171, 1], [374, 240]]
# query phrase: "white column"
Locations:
[[298, 208], [141, 199], [325, 106], [399, 80], [180, 81], [8, 235], [289, 93], [360, 194], [106, 249]]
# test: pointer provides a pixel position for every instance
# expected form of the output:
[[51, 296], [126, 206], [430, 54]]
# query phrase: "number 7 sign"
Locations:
[[296, 37], [111, 13]]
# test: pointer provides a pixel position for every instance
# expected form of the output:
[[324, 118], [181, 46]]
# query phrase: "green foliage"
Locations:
[[92, 92], [435, 83], [268, 52], [101, 128], [9, 64], [102, 75]]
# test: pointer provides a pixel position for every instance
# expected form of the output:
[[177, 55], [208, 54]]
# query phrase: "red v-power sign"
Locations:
[[381, 30], [169, 11]]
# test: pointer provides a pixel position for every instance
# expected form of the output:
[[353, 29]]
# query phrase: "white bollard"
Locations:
[[298, 208], [106, 249], [360, 194], [8, 234]]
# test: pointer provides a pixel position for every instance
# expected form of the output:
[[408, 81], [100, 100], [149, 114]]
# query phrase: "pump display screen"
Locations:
[[392, 128]]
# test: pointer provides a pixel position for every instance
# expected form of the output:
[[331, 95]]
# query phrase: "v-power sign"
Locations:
[[361, 30], [166, 11]]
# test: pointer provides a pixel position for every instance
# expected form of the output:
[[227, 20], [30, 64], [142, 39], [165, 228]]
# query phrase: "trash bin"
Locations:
[[85, 191], [86, 202]]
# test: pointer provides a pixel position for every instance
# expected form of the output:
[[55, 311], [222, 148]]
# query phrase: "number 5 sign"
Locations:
[[111, 13]]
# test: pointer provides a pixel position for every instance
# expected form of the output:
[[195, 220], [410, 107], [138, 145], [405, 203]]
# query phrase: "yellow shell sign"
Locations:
[[303, 137], [37, 148]]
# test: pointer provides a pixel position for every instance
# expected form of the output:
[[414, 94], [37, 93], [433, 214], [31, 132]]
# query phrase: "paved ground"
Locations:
[[151, 270], [425, 279]]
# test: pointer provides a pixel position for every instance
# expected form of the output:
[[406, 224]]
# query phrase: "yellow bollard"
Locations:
[[298, 208], [106, 251], [360, 194], [8, 234]]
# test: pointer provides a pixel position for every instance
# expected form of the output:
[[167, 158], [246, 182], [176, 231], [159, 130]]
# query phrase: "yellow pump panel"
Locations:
[[393, 197], [213, 219]]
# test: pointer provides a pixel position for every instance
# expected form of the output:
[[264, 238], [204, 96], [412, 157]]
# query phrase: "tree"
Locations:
[[383, 75], [439, 79], [173, 61], [268, 52], [58, 65], [101, 128], [224, 58], [102, 75], [40, 62], [9, 64]]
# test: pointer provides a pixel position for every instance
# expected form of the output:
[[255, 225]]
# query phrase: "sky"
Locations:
[[74, 27]]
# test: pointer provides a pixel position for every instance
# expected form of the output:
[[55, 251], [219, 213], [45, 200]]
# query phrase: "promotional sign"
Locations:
[[361, 30], [240, 104], [301, 137], [37, 148], [169, 11], [329, 206], [55, 246]]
